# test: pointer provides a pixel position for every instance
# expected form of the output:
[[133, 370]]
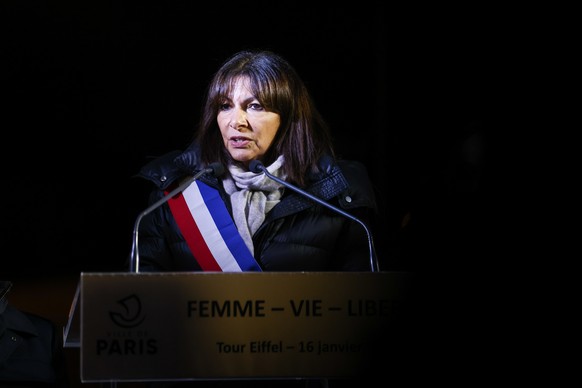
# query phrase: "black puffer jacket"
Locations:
[[297, 234]]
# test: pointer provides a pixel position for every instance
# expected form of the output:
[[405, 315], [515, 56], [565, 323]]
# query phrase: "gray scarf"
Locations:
[[252, 196]]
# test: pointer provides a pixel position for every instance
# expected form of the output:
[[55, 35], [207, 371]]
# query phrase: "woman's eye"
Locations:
[[224, 106], [255, 106]]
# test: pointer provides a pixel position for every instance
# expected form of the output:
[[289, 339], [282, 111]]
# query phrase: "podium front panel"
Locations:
[[188, 326]]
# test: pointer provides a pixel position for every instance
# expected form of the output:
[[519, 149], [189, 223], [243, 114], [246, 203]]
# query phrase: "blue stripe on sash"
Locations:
[[227, 228]]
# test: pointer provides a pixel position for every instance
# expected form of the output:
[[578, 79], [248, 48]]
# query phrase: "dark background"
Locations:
[[94, 89]]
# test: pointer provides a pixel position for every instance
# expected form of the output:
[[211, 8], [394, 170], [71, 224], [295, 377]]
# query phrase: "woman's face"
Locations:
[[247, 128]]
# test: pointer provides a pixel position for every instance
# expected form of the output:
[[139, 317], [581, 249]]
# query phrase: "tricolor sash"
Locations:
[[210, 231]]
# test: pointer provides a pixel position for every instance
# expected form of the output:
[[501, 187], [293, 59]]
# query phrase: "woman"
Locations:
[[258, 109]]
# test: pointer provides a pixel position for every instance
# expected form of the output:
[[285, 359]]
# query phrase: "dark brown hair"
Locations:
[[303, 137]]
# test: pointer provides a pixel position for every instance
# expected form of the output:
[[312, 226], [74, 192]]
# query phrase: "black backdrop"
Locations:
[[92, 90]]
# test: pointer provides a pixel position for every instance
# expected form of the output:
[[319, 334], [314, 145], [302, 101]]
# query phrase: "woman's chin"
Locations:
[[244, 157]]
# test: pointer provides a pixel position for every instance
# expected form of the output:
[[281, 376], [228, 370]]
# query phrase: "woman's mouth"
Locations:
[[239, 142]]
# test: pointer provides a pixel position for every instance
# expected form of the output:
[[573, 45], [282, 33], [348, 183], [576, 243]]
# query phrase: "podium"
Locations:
[[181, 326]]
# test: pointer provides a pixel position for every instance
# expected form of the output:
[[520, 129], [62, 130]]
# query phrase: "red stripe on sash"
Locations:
[[192, 234]]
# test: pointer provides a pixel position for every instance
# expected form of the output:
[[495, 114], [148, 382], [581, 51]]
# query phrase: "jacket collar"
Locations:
[[174, 165]]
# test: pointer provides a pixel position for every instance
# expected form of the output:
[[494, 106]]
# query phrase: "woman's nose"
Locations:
[[238, 119]]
